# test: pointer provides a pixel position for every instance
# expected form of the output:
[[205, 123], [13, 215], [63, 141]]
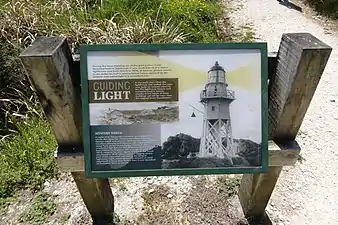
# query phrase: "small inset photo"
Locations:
[[130, 113]]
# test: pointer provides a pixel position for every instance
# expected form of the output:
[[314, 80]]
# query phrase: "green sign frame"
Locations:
[[90, 170]]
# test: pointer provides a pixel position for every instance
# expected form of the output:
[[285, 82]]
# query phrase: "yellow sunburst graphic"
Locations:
[[246, 77]]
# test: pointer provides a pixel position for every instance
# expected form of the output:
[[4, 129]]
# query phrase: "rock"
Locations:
[[180, 145], [150, 181], [151, 191], [282, 218], [146, 112], [240, 161], [248, 150], [170, 196], [46, 184]]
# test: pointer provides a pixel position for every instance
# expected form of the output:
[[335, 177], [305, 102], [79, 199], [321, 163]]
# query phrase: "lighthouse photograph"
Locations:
[[215, 145], [185, 109]]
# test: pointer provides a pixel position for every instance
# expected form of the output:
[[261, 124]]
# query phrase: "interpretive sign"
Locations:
[[174, 109]]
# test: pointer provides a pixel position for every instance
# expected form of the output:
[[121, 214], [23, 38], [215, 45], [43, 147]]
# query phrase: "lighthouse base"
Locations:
[[216, 140]]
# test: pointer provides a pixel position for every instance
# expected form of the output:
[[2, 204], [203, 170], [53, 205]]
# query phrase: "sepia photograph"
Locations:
[[130, 113]]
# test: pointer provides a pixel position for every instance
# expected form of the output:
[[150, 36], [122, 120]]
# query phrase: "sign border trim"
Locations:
[[84, 49]]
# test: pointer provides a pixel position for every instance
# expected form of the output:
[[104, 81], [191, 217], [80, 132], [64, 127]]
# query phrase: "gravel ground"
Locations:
[[307, 193]]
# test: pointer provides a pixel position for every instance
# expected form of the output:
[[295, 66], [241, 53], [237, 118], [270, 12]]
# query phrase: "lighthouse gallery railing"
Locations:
[[218, 94]]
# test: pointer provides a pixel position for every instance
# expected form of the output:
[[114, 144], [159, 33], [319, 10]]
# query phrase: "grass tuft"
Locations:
[[230, 182], [128, 21]]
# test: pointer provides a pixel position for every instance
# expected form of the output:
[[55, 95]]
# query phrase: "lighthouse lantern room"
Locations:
[[216, 140]]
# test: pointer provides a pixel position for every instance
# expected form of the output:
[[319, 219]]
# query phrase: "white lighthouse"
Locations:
[[216, 140]]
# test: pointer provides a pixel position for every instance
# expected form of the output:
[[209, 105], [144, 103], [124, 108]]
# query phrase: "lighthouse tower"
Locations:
[[216, 140]]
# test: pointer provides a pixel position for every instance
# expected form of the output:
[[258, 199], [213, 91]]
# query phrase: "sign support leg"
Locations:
[[50, 68], [300, 63]]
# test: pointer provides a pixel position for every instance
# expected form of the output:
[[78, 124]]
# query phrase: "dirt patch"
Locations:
[[160, 207], [213, 202], [210, 200]]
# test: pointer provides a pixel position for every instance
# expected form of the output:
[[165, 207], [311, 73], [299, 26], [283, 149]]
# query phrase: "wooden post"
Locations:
[[50, 68], [301, 60]]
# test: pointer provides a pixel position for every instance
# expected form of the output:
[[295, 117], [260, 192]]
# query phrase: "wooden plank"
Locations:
[[301, 60], [96, 193], [49, 67], [278, 156], [300, 64], [70, 161], [255, 191], [283, 154]]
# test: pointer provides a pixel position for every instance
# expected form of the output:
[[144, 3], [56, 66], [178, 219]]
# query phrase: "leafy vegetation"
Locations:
[[26, 158], [64, 218], [42, 207], [26, 141], [327, 7], [231, 183], [12, 79], [127, 21]]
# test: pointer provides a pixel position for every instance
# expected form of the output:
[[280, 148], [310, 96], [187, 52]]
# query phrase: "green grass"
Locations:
[[64, 218], [120, 220], [4, 203], [42, 208], [231, 184], [123, 21], [26, 157]]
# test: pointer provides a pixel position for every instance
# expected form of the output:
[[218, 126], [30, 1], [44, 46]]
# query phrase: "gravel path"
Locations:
[[307, 193]]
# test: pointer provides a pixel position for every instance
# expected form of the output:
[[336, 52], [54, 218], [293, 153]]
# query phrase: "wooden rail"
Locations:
[[278, 156]]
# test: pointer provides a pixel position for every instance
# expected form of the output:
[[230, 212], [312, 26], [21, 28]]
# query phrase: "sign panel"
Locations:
[[174, 109]]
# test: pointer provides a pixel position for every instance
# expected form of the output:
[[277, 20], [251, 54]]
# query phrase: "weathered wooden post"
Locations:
[[300, 62], [50, 68]]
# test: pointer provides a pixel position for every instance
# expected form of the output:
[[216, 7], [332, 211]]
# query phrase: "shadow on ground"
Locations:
[[265, 220], [290, 5]]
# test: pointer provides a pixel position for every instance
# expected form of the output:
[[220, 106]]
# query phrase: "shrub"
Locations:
[[12, 78], [26, 158], [327, 7]]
